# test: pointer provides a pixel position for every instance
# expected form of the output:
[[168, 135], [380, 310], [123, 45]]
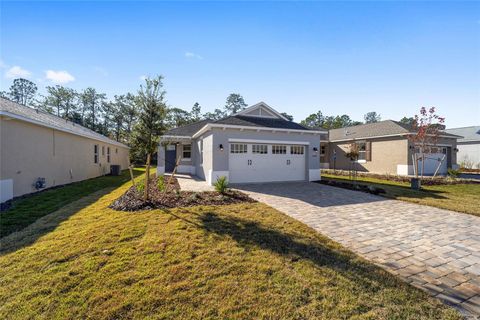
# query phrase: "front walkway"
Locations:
[[436, 250], [192, 183]]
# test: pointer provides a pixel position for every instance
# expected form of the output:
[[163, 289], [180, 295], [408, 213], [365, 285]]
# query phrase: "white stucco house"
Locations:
[[255, 145], [468, 146]]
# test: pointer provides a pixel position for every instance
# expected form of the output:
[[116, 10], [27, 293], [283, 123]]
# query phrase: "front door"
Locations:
[[170, 157]]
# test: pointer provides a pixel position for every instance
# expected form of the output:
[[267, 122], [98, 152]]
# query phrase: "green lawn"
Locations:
[[25, 211], [245, 261], [458, 197]]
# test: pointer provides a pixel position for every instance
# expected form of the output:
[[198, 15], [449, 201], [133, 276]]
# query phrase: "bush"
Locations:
[[221, 185], [453, 173], [161, 183], [140, 186]]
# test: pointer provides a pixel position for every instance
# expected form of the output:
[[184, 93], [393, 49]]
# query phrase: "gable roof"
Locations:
[[241, 119], [263, 108], [20, 112], [469, 134], [378, 129]]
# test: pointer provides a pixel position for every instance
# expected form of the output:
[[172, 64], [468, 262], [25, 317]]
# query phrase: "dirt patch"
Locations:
[[173, 197]]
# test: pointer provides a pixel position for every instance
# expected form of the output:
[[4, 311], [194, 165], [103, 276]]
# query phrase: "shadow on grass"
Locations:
[[49, 208], [248, 233], [394, 191]]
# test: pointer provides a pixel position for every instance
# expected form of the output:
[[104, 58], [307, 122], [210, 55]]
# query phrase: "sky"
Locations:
[[298, 57]]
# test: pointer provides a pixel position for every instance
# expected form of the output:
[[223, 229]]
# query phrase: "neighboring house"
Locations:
[[469, 146], [255, 145], [40, 150], [384, 148]]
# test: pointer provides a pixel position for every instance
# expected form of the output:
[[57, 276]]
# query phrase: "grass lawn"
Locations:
[[243, 261], [24, 211], [458, 197]]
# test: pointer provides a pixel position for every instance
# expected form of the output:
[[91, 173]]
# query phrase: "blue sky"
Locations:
[[299, 57]]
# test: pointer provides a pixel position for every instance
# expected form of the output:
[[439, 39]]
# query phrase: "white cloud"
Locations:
[[17, 72], [61, 77], [191, 55]]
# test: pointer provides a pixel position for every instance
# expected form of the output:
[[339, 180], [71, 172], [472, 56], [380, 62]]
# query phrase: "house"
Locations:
[[255, 145], [384, 148], [40, 150], [468, 146]]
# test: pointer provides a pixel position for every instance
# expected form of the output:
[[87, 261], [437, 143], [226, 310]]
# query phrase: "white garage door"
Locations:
[[432, 162], [266, 162]]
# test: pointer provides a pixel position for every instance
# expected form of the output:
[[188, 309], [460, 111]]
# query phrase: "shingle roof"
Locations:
[[469, 134], [377, 129], [22, 112], [238, 120]]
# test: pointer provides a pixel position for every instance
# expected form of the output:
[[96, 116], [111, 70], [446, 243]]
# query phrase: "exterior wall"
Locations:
[[220, 158], [386, 155], [30, 151], [469, 152], [442, 142]]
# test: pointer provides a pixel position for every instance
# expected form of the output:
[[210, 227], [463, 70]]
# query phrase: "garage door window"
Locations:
[[238, 148], [260, 148], [276, 149], [296, 150]]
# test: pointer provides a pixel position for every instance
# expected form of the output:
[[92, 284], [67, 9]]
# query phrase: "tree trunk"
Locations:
[[147, 178]]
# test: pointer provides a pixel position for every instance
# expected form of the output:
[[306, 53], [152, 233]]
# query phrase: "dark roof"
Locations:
[[238, 120], [469, 134], [377, 129], [46, 119]]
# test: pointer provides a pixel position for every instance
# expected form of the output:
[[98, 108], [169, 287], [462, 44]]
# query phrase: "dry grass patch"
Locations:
[[243, 261]]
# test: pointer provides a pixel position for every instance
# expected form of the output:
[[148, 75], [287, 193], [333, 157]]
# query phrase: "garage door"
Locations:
[[266, 162], [432, 162]]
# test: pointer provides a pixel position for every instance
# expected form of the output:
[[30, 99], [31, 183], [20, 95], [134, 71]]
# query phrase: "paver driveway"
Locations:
[[434, 249]]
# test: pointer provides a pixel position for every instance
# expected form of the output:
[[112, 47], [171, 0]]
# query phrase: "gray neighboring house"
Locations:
[[468, 146], [255, 145]]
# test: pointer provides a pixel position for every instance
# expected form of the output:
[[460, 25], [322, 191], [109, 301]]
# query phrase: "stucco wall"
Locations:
[[387, 153], [30, 151]]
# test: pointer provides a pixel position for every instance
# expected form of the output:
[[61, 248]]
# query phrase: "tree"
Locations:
[[315, 120], [177, 117], [288, 116], [217, 114], [372, 117], [22, 91], [196, 113], [407, 121], [129, 110], [427, 127], [151, 122], [61, 99], [234, 104], [92, 103]]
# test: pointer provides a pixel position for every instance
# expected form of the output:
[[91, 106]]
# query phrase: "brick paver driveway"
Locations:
[[434, 249]]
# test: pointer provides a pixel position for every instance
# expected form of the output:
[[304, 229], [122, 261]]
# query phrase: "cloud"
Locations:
[[60, 77], [191, 55], [17, 72], [3, 65]]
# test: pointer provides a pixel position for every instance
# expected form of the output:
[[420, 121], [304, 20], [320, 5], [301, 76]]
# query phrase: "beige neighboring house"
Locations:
[[39, 150], [385, 149]]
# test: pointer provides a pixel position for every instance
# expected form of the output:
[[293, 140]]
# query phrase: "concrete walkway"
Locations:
[[192, 183], [433, 249]]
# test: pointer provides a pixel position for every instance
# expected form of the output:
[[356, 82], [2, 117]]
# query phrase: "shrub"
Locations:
[[161, 183], [140, 186], [453, 173], [221, 185]]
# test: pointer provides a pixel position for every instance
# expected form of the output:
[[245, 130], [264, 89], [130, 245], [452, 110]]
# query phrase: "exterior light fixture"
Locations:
[[456, 149], [315, 149], [220, 147]]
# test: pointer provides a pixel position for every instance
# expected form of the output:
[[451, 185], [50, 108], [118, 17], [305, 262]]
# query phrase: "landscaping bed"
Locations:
[[169, 195], [353, 186]]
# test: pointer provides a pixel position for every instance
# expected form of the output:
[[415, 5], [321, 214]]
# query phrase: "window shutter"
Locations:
[[368, 151]]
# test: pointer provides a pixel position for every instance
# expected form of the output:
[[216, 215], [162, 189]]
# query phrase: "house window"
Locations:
[[200, 148], [187, 151], [95, 153], [277, 149], [108, 154], [296, 150], [322, 150], [238, 148], [116, 150], [103, 151], [362, 150], [260, 148]]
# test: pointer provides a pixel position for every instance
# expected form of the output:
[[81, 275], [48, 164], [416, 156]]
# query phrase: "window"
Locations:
[[95, 153], [103, 151], [362, 150], [279, 149], [260, 148], [187, 151], [116, 150], [322, 150], [108, 154], [444, 150], [200, 148], [238, 148], [296, 150]]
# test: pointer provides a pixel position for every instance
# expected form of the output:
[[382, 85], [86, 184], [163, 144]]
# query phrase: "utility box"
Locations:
[[115, 170]]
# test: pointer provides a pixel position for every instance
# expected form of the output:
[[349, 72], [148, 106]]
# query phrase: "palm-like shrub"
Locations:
[[221, 185]]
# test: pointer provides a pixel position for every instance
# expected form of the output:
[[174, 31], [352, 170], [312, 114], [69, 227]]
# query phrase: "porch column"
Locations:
[[160, 160]]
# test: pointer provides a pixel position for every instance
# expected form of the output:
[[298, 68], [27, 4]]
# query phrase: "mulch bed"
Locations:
[[352, 186], [132, 199]]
